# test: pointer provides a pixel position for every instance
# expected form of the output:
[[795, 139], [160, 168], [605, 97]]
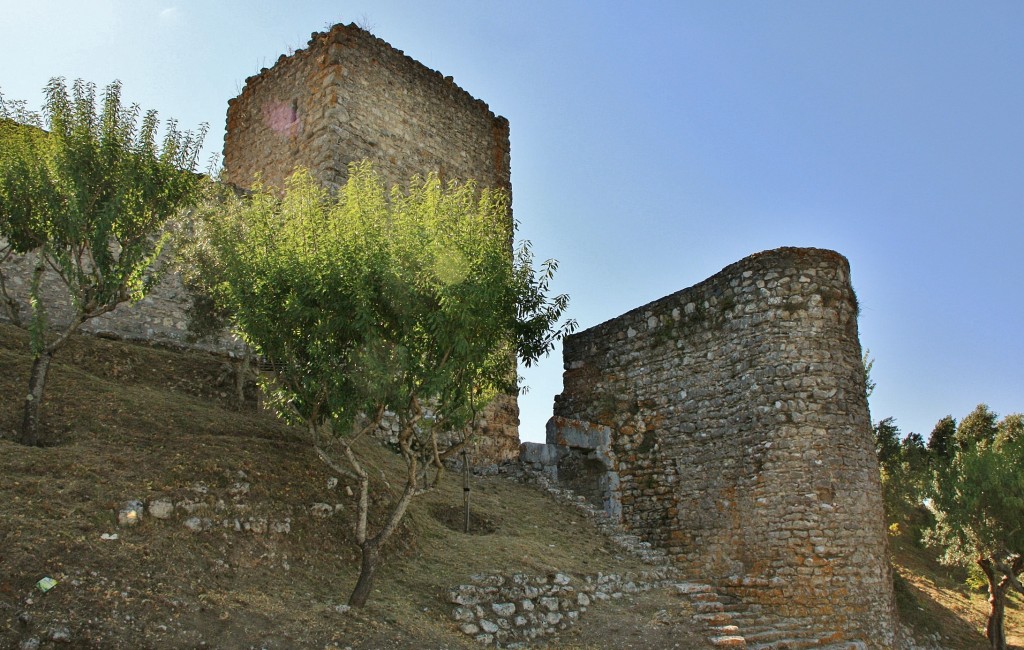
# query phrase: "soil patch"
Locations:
[[454, 518]]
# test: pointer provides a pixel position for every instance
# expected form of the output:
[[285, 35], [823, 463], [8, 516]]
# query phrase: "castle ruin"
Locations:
[[348, 96], [726, 423]]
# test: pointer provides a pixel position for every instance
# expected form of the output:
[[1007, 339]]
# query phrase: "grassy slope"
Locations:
[[131, 421], [934, 599]]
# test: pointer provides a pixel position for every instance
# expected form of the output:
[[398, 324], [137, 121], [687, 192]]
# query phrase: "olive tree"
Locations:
[[978, 500], [368, 301], [86, 192]]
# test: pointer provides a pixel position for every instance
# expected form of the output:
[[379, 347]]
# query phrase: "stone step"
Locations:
[[752, 629], [787, 644], [725, 630], [687, 588], [731, 641], [739, 607], [754, 617], [715, 618], [708, 607], [705, 596], [767, 635], [655, 559]]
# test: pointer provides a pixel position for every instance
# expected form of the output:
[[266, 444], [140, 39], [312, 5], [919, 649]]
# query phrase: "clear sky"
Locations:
[[654, 143]]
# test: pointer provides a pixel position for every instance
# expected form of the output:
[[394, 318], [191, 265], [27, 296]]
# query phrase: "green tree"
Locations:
[[87, 197], [940, 442], [1011, 427], [367, 302], [913, 449], [904, 468], [978, 501], [915, 467], [979, 426], [887, 441]]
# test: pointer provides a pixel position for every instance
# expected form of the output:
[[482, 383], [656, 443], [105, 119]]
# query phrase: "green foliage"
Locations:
[[88, 197], [887, 440], [90, 193], [869, 363], [367, 302], [978, 501], [913, 450], [940, 442], [1010, 428], [904, 467], [979, 427]]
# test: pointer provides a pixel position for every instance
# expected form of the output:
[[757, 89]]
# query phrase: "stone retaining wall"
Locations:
[[161, 317], [739, 440]]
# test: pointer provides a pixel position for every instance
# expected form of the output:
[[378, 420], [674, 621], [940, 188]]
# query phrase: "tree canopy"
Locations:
[[978, 501], [86, 190], [371, 301], [940, 442]]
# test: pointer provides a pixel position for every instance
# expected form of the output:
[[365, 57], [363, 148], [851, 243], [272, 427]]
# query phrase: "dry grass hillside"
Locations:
[[129, 422], [134, 422], [936, 601]]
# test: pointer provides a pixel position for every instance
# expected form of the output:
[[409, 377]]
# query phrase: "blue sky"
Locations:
[[655, 143]]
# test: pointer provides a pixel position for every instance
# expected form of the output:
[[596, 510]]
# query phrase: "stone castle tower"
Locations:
[[728, 424], [349, 96]]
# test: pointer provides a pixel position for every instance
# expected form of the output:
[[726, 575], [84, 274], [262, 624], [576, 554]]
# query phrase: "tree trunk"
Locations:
[[242, 371], [995, 630], [30, 423], [367, 571]]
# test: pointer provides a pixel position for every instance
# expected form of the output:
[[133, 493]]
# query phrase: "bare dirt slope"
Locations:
[[263, 568]]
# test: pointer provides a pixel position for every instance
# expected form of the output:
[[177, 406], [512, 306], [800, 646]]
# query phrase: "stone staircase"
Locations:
[[729, 622], [710, 611]]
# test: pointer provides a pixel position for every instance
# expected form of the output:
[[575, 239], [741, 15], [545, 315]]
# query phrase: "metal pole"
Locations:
[[465, 488]]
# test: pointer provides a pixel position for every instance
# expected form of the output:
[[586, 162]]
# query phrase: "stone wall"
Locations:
[[161, 317], [350, 96], [732, 423]]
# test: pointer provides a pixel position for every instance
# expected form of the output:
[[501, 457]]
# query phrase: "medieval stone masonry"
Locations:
[[350, 96], [728, 424], [347, 97], [161, 317]]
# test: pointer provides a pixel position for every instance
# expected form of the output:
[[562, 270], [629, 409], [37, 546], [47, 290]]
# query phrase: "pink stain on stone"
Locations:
[[281, 117]]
